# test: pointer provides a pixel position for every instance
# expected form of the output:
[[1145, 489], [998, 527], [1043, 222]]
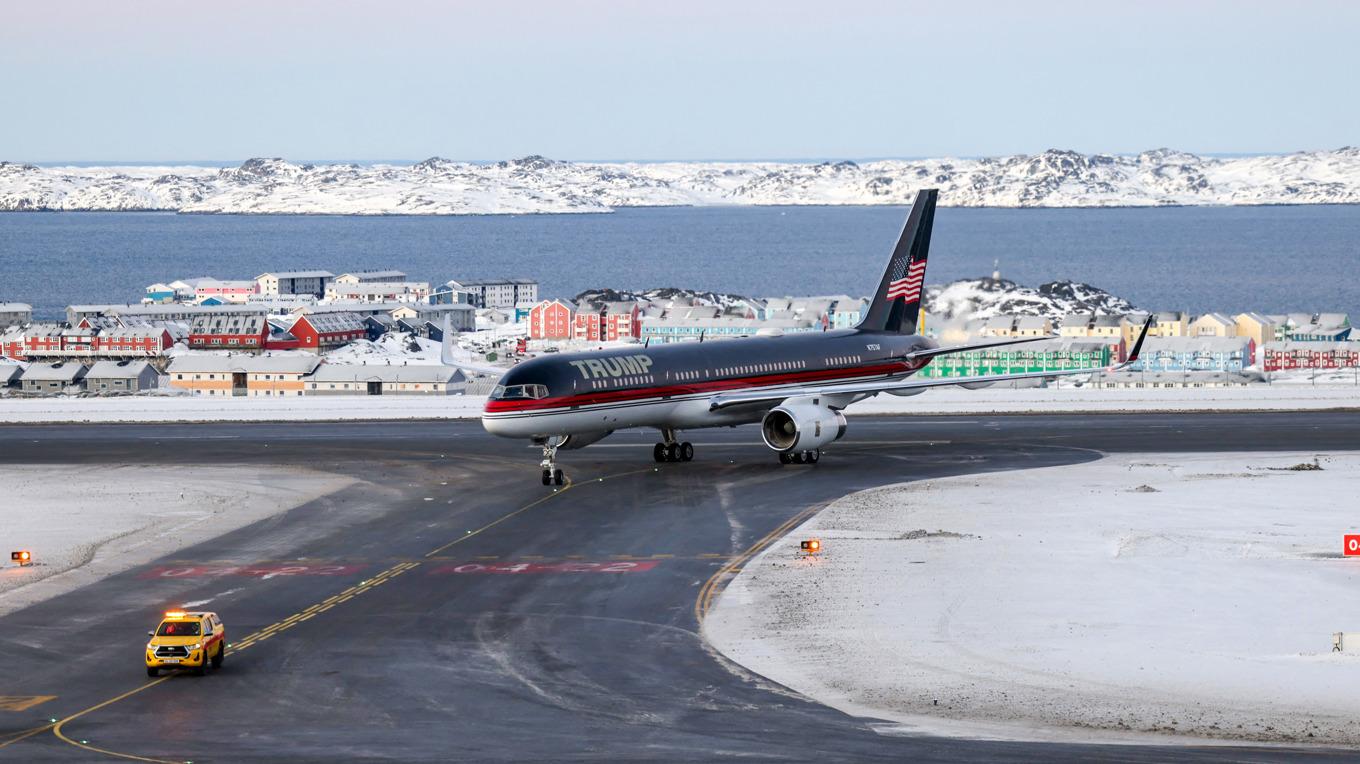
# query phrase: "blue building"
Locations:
[[1196, 354]]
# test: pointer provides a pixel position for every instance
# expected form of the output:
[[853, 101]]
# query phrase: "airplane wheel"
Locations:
[[798, 457], [686, 451], [672, 452], [785, 457], [659, 452], [547, 477], [814, 455], [558, 477]]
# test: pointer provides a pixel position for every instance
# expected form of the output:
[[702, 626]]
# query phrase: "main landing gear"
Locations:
[[552, 474], [800, 457], [672, 451]]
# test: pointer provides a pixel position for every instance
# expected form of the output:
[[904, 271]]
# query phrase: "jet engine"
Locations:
[[801, 426]]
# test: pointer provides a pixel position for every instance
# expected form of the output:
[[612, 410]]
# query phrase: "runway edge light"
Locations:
[[23, 557], [812, 546]]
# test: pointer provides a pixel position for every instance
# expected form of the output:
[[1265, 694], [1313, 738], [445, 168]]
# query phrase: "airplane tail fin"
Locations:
[[896, 305]]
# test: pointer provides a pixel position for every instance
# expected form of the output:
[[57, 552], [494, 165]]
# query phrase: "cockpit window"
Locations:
[[519, 392]]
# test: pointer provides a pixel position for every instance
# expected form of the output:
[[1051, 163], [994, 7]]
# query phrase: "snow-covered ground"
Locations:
[[533, 184], [183, 408], [1190, 596], [85, 522]]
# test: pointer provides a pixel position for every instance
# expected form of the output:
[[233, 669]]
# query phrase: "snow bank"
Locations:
[[1194, 597], [997, 400], [85, 522]]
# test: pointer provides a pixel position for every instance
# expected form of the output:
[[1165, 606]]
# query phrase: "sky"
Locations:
[[168, 80]]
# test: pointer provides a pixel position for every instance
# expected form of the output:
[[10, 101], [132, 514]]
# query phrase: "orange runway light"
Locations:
[[23, 557], [812, 546]]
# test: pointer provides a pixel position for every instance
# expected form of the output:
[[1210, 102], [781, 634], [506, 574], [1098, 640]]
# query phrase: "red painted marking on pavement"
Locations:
[[574, 566], [205, 571]]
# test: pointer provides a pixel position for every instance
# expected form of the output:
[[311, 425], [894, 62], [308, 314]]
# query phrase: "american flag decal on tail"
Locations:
[[896, 306], [908, 287]]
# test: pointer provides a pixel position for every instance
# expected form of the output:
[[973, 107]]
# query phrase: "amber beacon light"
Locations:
[[23, 557]]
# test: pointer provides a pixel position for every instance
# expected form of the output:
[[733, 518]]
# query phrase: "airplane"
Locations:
[[796, 386]]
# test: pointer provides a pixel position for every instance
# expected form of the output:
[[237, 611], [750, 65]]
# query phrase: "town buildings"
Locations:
[[379, 291], [496, 293], [294, 282], [550, 320], [1205, 353], [52, 377], [369, 277], [121, 377], [385, 379], [15, 314], [1289, 355], [269, 375]]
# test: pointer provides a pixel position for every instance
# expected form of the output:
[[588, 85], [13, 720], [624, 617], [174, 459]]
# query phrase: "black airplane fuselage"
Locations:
[[668, 386]]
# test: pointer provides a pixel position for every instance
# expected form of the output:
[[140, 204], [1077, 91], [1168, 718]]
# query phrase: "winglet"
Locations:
[[1138, 344]]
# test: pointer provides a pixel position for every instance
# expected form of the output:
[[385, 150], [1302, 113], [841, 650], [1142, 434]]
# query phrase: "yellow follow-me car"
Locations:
[[186, 640]]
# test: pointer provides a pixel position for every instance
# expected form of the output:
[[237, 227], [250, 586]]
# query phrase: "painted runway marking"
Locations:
[[261, 571], [23, 702], [544, 568]]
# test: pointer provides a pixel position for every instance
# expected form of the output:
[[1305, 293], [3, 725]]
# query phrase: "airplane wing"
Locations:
[[446, 355], [723, 400]]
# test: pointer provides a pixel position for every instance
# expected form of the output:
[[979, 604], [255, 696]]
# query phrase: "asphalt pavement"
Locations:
[[451, 608]]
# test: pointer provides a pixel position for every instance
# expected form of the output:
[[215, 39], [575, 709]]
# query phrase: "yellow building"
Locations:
[[1256, 326], [1213, 325]]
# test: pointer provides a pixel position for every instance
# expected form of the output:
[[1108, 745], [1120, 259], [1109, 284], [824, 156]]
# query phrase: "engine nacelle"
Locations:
[[801, 426], [581, 440]]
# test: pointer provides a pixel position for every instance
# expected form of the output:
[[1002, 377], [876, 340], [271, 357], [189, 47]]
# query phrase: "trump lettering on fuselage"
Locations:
[[615, 366]]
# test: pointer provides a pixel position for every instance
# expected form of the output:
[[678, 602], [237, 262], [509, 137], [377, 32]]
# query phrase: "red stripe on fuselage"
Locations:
[[699, 386]]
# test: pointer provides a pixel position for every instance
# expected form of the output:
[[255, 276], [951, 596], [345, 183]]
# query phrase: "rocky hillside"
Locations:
[[536, 184], [956, 301]]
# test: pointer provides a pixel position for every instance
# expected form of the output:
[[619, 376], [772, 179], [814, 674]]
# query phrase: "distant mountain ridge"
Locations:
[[961, 300], [536, 184]]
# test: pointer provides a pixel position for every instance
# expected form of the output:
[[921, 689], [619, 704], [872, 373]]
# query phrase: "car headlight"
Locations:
[[195, 646]]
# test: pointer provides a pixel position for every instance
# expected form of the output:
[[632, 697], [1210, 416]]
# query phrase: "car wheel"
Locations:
[[221, 655], [152, 671]]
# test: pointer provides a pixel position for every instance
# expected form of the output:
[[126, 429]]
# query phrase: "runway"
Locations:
[[452, 608]]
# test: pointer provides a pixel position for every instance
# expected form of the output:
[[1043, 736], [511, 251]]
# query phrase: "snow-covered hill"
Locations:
[[986, 298], [538, 185]]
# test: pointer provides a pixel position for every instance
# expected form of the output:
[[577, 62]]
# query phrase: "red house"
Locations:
[[1283, 356], [235, 331], [550, 320], [623, 320], [588, 325], [133, 341], [319, 331]]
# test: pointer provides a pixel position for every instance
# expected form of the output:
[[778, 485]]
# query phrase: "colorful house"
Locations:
[[1196, 354], [551, 320]]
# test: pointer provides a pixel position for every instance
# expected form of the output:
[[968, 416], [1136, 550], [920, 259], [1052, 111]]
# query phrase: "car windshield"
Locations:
[[178, 629], [519, 392]]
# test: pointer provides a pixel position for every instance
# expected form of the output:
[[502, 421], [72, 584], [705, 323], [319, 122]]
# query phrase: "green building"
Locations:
[[1046, 355]]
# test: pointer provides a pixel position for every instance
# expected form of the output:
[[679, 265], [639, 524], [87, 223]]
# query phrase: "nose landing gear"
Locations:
[[552, 474]]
